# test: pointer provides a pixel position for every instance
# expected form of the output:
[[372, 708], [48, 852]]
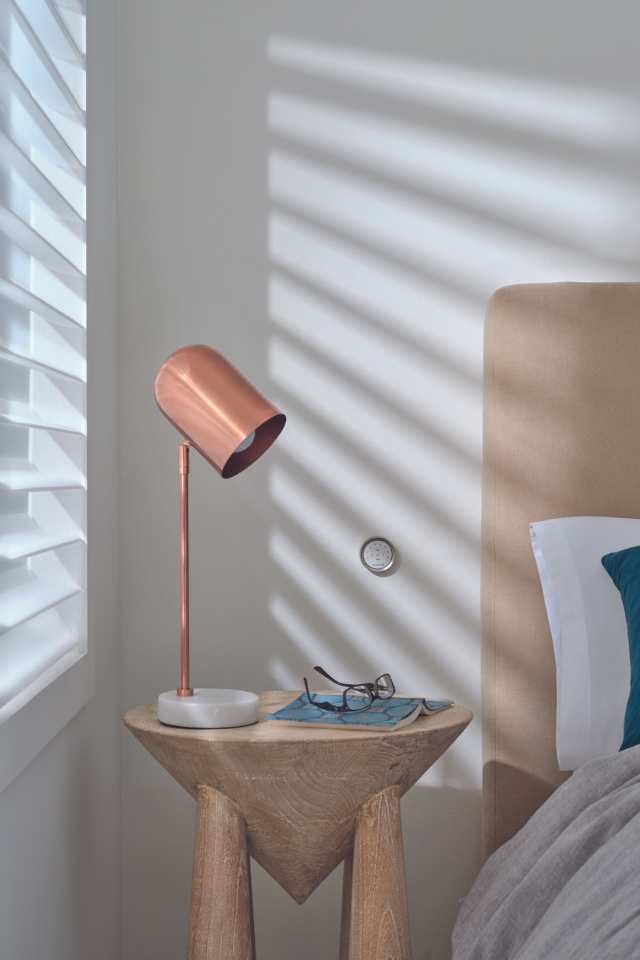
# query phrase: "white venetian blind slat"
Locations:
[[75, 6], [23, 538], [20, 481], [30, 649], [42, 341], [25, 48], [18, 164], [22, 297], [54, 32], [28, 113], [32, 242], [25, 415], [33, 597], [46, 362]]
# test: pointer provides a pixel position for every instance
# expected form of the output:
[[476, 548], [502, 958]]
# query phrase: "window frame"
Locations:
[[62, 692], [31, 720]]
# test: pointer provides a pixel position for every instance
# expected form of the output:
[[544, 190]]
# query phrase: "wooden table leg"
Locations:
[[379, 918], [221, 922]]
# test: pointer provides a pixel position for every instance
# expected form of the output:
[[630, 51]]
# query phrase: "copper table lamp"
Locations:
[[230, 424]]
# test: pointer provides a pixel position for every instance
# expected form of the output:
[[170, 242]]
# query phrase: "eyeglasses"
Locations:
[[355, 696]]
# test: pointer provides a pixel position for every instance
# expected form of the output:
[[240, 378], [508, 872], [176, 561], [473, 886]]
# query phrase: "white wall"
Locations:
[[328, 193], [60, 819]]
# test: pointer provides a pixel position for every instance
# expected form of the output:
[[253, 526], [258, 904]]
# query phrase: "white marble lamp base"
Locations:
[[208, 709]]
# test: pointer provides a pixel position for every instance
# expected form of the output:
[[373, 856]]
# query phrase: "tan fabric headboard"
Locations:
[[561, 438]]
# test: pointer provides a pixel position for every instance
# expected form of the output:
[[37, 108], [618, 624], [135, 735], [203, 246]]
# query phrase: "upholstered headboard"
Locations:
[[561, 438]]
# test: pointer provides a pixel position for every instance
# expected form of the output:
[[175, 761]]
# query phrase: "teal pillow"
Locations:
[[624, 569]]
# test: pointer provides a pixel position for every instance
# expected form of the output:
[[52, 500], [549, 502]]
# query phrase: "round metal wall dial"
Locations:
[[378, 555]]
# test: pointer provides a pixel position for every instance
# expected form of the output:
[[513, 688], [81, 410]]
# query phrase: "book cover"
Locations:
[[389, 714]]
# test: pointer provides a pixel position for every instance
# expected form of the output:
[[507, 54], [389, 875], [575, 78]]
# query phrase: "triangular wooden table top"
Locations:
[[298, 789]]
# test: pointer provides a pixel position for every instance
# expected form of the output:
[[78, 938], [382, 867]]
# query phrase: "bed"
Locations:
[[562, 438]]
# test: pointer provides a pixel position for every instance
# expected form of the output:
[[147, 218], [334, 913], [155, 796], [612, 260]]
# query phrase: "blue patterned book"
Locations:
[[381, 715]]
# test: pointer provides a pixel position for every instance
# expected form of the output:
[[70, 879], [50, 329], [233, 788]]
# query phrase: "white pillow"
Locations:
[[588, 629]]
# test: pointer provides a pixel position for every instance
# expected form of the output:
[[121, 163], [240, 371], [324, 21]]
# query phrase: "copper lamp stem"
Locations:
[[184, 690]]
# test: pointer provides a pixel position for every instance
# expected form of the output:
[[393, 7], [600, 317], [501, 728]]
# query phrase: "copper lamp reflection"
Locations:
[[222, 416]]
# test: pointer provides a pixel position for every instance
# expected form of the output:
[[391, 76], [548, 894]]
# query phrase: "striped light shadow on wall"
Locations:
[[401, 194]]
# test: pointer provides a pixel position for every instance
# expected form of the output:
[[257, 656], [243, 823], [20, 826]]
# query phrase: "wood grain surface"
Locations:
[[221, 920], [298, 790], [378, 915]]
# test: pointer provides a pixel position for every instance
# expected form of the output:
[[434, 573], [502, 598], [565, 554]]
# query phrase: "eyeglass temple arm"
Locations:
[[322, 704], [364, 683], [323, 673]]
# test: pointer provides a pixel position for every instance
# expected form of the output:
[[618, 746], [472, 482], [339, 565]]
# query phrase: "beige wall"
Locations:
[[60, 819], [328, 193]]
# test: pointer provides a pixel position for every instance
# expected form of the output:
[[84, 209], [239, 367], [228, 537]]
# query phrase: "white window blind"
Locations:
[[42, 344]]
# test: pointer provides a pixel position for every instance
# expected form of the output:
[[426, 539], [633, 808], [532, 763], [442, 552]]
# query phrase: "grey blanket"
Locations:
[[568, 884]]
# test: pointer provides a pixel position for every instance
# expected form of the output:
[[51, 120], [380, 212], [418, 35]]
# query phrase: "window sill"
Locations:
[[60, 694]]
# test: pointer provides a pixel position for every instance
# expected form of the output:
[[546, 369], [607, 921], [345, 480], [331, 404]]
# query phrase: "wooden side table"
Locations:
[[299, 801]]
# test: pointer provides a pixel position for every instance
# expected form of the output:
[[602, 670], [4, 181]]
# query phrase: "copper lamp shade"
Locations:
[[216, 409]]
